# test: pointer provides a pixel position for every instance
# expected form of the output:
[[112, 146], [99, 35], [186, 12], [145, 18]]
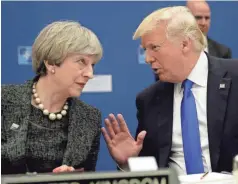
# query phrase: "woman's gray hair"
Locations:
[[59, 39], [180, 23]]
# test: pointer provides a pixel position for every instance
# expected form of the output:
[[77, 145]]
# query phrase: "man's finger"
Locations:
[[122, 123], [109, 128], [115, 124], [140, 138], [106, 136]]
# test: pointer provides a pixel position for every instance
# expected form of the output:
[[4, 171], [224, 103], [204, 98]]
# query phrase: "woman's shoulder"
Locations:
[[10, 86], [86, 112], [10, 90], [79, 104], [13, 92]]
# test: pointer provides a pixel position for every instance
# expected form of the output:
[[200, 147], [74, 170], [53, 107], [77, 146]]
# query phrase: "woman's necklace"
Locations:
[[52, 116]]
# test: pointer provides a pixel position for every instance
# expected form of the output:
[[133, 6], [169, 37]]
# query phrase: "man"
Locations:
[[188, 119], [202, 13]]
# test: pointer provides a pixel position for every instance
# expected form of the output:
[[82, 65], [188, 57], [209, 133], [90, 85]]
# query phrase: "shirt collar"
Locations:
[[199, 73]]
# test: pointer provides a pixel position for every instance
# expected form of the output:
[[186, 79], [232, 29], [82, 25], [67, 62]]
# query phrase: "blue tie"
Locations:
[[190, 131]]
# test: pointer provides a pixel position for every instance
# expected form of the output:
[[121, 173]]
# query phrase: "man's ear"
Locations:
[[186, 45]]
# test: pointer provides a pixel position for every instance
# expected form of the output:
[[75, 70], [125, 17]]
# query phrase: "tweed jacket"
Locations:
[[83, 130]]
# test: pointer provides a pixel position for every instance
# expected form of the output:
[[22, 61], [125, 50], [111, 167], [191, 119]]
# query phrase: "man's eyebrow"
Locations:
[[201, 16], [142, 46], [198, 16]]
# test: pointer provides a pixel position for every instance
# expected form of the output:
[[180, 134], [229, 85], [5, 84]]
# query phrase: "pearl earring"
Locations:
[[53, 71]]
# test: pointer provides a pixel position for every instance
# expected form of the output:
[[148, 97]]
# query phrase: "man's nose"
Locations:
[[148, 58], [203, 21]]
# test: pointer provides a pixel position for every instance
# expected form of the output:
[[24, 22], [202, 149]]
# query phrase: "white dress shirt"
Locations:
[[206, 48], [199, 76]]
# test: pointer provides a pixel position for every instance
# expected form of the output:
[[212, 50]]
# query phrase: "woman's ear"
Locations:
[[49, 67]]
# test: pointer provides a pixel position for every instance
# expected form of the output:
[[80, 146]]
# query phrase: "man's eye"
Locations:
[[198, 17], [155, 47]]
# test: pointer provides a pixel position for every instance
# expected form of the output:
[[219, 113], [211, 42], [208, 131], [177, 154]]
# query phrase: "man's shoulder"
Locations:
[[148, 91], [217, 45], [230, 66], [153, 90]]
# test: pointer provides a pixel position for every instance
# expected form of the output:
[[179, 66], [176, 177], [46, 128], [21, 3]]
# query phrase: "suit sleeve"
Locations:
[[5, 162], [3, 131], [147, 149], [229, 53]]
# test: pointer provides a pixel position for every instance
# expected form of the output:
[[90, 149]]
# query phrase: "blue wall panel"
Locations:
[[114, 23]]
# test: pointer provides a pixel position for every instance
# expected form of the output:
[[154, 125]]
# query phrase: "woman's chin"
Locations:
[[75, 93]]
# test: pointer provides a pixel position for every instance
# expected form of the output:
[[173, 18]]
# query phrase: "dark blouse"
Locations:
[[46, 142]]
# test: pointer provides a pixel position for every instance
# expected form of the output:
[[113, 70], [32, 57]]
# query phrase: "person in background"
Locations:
[[189, 118], [45, 127], [202, 13]]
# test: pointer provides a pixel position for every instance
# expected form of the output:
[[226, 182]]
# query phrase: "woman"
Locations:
[[45, 127]]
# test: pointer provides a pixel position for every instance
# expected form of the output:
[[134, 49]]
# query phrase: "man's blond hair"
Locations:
[[179, 23]]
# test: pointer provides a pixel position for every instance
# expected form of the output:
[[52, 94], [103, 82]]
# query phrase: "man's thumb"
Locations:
[[140, 138]]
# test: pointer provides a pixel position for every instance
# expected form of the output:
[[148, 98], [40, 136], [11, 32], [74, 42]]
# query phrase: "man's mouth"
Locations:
[[156, 70]]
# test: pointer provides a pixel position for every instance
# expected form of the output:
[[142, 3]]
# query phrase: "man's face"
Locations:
[[201, 12], [164, 56]]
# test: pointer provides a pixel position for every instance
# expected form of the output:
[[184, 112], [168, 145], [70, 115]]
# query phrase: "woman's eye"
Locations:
[[81, 61]]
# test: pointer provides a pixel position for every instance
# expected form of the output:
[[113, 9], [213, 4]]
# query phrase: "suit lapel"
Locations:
[[164, 117], [75, 152], [217, 94], [211, 49], [21, 109]]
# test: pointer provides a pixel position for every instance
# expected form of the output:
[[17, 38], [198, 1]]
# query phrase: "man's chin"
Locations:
[[204, 32], [161, 78]]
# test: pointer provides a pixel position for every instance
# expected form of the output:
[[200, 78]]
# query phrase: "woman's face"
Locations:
[[74, 72]]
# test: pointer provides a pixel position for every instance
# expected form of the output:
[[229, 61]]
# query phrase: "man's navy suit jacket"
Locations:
[[155, 115]]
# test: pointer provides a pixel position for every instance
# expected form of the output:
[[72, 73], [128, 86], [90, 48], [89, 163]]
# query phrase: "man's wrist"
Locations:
[[123, 167]]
